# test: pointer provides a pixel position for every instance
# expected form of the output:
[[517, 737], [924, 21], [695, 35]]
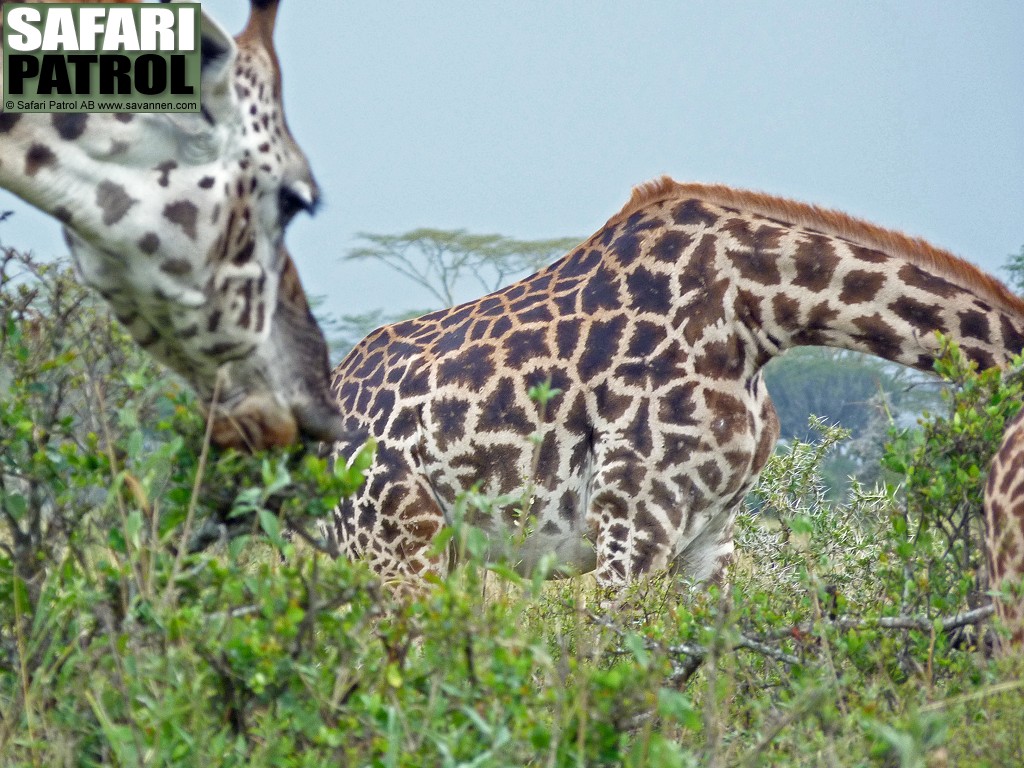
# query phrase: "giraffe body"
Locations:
[[655, 331], [177, 220]]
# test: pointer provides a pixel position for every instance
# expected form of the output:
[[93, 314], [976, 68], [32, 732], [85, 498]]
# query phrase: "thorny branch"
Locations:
[[696, 653]]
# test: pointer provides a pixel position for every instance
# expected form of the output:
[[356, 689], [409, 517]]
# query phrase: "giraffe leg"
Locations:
[[391, 524], [627, 553], [624, 553], [705, 557], [633, 533], [641, 527]]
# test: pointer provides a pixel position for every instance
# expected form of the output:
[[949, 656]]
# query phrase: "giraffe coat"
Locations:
[[654, 331]]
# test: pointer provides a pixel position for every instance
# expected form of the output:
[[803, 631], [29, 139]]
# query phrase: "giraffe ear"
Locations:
[[218, 56]]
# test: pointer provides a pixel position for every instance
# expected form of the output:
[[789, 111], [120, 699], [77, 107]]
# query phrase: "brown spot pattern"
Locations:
[[150, 243], [8, 120], [184, 214], [164, 169], [38, 156], [860, 286], [113, 200], [176, 267], [70, 125]]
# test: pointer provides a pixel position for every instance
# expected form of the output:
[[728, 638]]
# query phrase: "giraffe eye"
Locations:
[[294, 198]]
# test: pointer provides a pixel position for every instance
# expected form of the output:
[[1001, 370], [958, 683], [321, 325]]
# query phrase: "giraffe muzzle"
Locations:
[[281, 393], [260, 422]]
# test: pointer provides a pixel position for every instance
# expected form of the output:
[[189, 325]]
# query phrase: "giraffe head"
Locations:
[[178, 221]]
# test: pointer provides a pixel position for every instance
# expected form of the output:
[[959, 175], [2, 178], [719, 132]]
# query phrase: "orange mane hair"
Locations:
[[913, 249]]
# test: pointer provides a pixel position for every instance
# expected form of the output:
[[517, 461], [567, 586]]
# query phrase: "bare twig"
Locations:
[[695, 653], [992, 690], [922, 623], [194, 500]]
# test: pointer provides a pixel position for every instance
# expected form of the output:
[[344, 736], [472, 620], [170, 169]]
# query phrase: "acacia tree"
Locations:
[[440, 259]]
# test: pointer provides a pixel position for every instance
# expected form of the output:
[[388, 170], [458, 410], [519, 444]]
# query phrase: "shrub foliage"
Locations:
[[161, 604]]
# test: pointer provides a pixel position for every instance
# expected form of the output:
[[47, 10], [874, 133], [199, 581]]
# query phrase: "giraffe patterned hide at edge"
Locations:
[[655, 331], [1004, 526]]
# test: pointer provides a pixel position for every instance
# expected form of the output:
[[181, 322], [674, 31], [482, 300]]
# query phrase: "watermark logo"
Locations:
[[102, 57]]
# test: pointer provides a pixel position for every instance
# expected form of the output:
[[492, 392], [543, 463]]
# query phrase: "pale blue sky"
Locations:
[[533, 119]]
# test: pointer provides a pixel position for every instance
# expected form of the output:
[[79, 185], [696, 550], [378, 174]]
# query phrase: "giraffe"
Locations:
[[1004, 526], [177, 220], [654, 332]]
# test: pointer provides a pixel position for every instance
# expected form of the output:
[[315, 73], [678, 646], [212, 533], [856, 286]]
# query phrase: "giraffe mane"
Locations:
[[914, 249]]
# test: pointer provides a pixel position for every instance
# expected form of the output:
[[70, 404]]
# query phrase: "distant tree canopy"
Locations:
[[860, 393], [440, 261], [1014, 267], [845, 388]]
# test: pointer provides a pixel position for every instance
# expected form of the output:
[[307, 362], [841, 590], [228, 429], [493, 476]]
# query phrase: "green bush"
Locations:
[[939, 528], [161, 604]]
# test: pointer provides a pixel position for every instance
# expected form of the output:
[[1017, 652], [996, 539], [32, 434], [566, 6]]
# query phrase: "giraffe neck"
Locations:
[[759, 275], [831, 292]]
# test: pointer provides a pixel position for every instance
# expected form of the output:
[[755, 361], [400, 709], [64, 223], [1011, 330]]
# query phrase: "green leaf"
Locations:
[[801, 524], [133, 526], [275, 478], [16, 505], [393, 675], [246, 501], [635, 643], [271, 526], [237, 545], [116, 541], [171, 519]]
